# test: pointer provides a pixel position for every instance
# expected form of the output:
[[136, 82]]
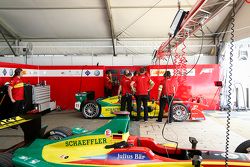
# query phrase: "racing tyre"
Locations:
[[180, 112], [90, 110], [58, 133], [244, 147], [6, 160]]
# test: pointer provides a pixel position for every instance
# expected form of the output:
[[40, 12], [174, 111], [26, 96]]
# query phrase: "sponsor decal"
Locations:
[[111, 110], [160, 72], [108, 132], [97, 73], [4, 72], [11, 72], [34, 161], [206, 70], [7, 72], [12, 121], [87, 72], [128, 156], [19, 85], [64, 156], [29, 159], [195, 107], [24, 158], [77, 105], [72, 143]]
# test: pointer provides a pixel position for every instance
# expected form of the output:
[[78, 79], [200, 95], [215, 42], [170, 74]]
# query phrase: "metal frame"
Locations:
[[111, 25], [202, 12]]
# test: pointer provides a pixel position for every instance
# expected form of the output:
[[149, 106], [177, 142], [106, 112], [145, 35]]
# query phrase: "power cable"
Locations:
[[169, 104], [166, 122], [230, 85], [138, 18], [202, 41]]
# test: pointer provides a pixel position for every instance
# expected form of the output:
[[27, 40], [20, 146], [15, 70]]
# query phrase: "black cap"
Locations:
[[167, 74]]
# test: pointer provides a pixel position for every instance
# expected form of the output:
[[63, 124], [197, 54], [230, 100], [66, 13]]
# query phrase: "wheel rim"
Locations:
[[90, 110], [180, 112], [55, 137]]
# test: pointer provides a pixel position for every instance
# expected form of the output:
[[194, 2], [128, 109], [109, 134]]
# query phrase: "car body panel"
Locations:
[[90, 149]]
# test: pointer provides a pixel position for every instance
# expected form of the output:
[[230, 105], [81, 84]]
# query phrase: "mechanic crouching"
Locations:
[[125, 93]]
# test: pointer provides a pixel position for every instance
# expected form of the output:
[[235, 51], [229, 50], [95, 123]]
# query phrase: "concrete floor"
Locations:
[[209, 133]]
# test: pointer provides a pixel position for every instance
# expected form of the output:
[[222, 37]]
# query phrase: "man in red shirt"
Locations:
[[126, 92], [166, 93], [16, 92], [108, 84], [141, 85]]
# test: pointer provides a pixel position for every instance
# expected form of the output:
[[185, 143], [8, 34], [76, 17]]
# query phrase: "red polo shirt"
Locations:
[[107, 82], [125, 83], [18, 88], [167, 86], [141, 84]]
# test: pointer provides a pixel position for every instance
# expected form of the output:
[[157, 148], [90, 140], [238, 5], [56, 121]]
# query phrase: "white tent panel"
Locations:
[[242, 23], [58, 23], [129, 23], [150, 3], [51, 3], [213, 25]]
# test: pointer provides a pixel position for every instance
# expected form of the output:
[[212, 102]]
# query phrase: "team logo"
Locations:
[[108, 132], [4, 72], [11, 72], [87, 72], [97, 73]]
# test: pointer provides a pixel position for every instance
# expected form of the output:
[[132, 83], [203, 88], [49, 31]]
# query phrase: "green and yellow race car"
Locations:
[[112, 145], [105, 107]]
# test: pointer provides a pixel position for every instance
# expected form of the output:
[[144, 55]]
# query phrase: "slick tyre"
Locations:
[[58, 133], [91, 110], [6, 160], [243, 147]]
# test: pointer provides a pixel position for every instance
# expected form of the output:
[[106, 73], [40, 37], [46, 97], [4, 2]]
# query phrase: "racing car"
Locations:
[[112, 145], [182, 110]]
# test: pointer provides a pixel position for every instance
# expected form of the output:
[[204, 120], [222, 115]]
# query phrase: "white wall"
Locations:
[[120, 60]]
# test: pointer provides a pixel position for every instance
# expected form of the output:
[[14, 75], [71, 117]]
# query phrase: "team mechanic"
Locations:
[[16, 93], [143, 85]]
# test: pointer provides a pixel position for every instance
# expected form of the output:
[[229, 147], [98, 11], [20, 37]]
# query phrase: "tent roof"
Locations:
[[64, 20]]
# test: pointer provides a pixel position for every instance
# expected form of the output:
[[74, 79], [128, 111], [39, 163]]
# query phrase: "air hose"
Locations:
[[230, 85]]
